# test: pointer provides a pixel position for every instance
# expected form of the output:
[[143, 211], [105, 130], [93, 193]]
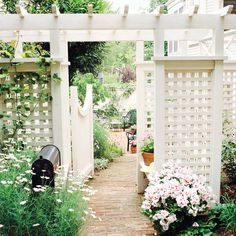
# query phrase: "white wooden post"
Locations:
[[217, 98], [217, 108], [19, 46], [159, 125], [140, 111], [60, 94]]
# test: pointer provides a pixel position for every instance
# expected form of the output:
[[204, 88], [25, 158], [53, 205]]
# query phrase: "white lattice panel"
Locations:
[[38, 126], [229, 99], [188, 119], [149, 102]]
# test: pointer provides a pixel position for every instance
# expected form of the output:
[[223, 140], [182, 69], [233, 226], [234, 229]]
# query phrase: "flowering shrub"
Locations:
[[42, 210], [174, 197]]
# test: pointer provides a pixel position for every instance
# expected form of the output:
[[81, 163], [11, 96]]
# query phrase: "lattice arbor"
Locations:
[[187, 89]]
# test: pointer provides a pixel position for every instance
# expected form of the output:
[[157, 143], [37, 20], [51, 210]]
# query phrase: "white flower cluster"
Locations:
[[175, 185]]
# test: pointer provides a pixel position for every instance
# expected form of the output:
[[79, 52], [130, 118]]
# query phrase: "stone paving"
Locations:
[[117, 202]]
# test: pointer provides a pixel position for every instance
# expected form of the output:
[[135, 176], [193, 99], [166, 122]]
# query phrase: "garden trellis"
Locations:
[[186, 113]]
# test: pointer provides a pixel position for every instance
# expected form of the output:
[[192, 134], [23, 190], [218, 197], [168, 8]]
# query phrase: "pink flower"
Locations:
[[195, 224]]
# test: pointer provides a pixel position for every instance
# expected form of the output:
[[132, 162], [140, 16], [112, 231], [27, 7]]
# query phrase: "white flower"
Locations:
[[59, 200], [1, 226], [36, 225], [71, 210], [23, 203], [37, 190], [175, 185], [195, 224]]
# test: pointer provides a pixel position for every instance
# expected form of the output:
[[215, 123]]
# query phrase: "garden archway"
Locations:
[[186, 112]]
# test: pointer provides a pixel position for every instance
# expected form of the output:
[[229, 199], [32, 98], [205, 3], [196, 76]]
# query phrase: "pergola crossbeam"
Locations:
[[193, 10], [115, 22], [55, 10], [21, 11], [159, 11], [226, 10], [126, 10], [90, 10]]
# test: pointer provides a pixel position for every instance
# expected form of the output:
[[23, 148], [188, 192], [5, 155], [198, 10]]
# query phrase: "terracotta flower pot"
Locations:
[[148, 158], [133, 149]]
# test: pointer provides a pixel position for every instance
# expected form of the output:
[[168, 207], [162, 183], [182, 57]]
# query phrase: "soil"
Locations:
[[230, 190]]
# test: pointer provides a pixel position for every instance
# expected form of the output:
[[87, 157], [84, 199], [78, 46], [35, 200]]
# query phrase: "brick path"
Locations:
[[117, 203]]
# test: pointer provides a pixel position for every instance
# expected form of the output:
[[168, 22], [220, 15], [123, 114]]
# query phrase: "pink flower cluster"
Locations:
[[175, 185]]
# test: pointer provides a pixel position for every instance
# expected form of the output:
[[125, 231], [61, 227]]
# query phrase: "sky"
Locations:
[[135, 6]]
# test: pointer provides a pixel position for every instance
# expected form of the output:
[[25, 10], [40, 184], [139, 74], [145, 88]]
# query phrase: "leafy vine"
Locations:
[[15, 89]]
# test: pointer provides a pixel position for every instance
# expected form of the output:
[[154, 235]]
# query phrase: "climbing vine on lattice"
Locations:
[[19, 97]]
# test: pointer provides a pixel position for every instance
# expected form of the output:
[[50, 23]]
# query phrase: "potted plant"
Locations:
[[133, 147], [148, 150], [175, 198]]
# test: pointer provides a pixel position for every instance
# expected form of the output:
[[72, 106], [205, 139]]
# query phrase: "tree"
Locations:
[[84, 56], [99, 91]]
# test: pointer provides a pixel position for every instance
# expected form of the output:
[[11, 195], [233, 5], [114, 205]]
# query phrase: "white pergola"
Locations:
[[59, 29]]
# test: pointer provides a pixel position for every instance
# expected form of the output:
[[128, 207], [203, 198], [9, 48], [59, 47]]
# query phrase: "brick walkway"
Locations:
[[117, 203]]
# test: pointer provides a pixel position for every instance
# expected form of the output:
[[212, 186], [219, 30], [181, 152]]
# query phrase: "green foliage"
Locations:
[[100, 140], [148, 145], [113, 151], [34, 50], [100, 164], [132, 117], [86, 57], [7, 49], [225, 216], [202, 228], [229, 159], [111, 110], [148, 50], [103, 148], [41, 211], [120, 54], [81, 81], [108, 112]]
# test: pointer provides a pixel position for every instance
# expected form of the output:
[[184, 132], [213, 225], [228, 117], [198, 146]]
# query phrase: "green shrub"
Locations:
[[100, 140], [225, 216], [229, 159], [103, 148], [101, 164], [40, 211], [200, 228], [113, 151]]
